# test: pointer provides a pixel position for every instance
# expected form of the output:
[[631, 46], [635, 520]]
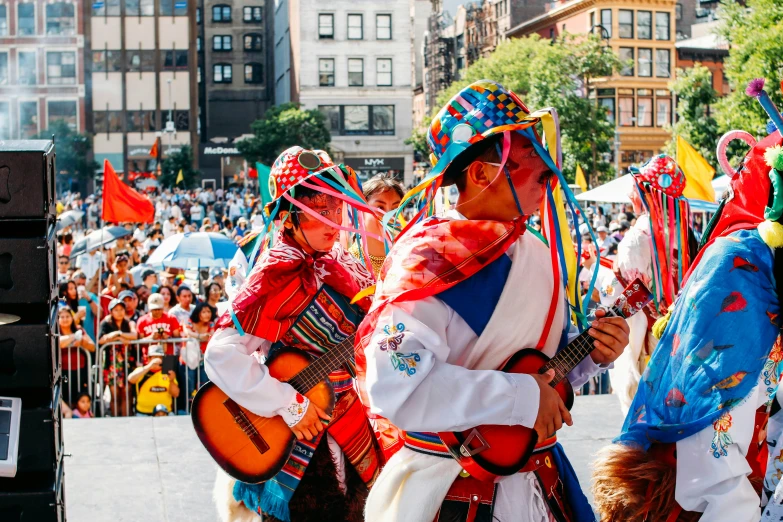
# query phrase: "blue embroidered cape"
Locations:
[[715, 347]]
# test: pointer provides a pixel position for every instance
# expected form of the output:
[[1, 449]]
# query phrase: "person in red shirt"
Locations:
[[157, 324]]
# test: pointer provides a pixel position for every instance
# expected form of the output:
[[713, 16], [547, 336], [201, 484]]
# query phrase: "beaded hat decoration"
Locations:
[[293, 166], [663, 173]]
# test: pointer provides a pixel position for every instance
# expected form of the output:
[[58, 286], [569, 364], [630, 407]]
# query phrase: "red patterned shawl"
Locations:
[[285, 280]]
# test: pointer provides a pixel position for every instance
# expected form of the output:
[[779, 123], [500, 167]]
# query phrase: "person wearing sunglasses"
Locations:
[[305, 278], [461, 294]]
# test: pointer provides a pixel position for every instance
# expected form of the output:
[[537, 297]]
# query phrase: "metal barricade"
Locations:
[[86, 376], [118, 389]]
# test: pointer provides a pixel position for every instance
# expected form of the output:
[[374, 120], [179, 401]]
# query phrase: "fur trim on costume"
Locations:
[[772, 233], [318, 495], [623, 476]]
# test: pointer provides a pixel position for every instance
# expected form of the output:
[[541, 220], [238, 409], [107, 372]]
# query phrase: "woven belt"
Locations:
[[430, 444]]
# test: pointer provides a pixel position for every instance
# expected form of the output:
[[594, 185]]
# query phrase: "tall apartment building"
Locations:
[[638, 99], [42, 66], [142, 75], [352, 61], [235, 72]]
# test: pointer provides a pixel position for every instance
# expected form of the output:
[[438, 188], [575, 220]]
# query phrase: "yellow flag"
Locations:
[[698, 173], [580, 178], [180, 178]]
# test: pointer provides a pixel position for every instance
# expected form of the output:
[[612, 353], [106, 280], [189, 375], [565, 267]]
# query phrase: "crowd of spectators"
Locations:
[[117, 313]]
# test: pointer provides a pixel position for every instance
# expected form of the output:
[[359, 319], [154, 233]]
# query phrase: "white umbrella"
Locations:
[[68, 218]]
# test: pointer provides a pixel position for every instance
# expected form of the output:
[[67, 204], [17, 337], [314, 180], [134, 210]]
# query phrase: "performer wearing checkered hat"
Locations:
[[456, 298], [299, 295]]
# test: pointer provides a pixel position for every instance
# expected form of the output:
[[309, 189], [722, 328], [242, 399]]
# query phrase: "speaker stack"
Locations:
[[29, 354]]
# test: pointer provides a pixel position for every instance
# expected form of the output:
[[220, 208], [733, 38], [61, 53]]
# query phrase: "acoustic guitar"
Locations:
[[251, 448], [487, 452]]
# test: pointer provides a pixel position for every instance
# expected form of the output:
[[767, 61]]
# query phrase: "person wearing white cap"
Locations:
[[157, 324], [605, 242]]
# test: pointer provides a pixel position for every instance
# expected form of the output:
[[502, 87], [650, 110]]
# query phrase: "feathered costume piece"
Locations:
[[716, 348]]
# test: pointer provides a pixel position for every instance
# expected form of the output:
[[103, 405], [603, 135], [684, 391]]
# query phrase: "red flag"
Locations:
[[122, 204], [154, 149]]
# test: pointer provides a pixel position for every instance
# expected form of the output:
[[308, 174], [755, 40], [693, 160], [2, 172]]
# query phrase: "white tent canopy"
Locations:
[[616, 191]]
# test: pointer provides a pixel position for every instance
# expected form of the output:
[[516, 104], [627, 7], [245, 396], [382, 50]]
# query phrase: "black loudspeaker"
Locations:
[[30, 359], [27, 179]]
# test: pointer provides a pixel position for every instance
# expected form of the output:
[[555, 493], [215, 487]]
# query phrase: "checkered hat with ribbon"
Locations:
[[293, 166], [478, 111]]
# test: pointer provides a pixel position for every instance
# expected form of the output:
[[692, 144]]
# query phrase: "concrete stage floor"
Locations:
[[155, 470]]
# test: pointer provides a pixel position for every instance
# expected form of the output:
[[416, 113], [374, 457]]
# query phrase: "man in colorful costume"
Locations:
[[457, 297], [655, 249], [299, 296], [692, 446]]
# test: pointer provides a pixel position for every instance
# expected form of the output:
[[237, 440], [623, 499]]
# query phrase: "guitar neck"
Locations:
[[319, 369], [577, 350]]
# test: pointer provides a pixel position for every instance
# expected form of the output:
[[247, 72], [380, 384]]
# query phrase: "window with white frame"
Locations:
[[355, 72], [221, 42], [61, 68], [326, 72], [355, 27], [26, 19], [383, 29], [62, 111], [3, 21], [222, 73], [383, 72], [326, 26], [28, 69], [60, 19]]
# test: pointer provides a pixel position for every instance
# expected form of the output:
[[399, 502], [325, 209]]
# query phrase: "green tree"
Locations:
[[696, 122], [72, 150], [182, 160], [284, 126], [553, 74], [754, 32]]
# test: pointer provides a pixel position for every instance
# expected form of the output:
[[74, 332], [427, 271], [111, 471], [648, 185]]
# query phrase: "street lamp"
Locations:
[[170, 128], [604, 31]]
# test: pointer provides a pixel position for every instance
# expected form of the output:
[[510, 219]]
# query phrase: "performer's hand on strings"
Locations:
[[310, 425], [552, 412], [611, 337]]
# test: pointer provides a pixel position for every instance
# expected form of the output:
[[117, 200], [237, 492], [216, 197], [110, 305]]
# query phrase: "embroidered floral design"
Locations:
[[721, 439], [297, 409], [405, 362], [393, 339], [771, 368]]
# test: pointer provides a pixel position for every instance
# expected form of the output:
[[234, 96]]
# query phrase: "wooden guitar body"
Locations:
[[249, 447], [491, 451], [487, 452]]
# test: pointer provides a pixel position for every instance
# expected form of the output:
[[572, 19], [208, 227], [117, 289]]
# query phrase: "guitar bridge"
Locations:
[[246, 426], [466, 450]]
